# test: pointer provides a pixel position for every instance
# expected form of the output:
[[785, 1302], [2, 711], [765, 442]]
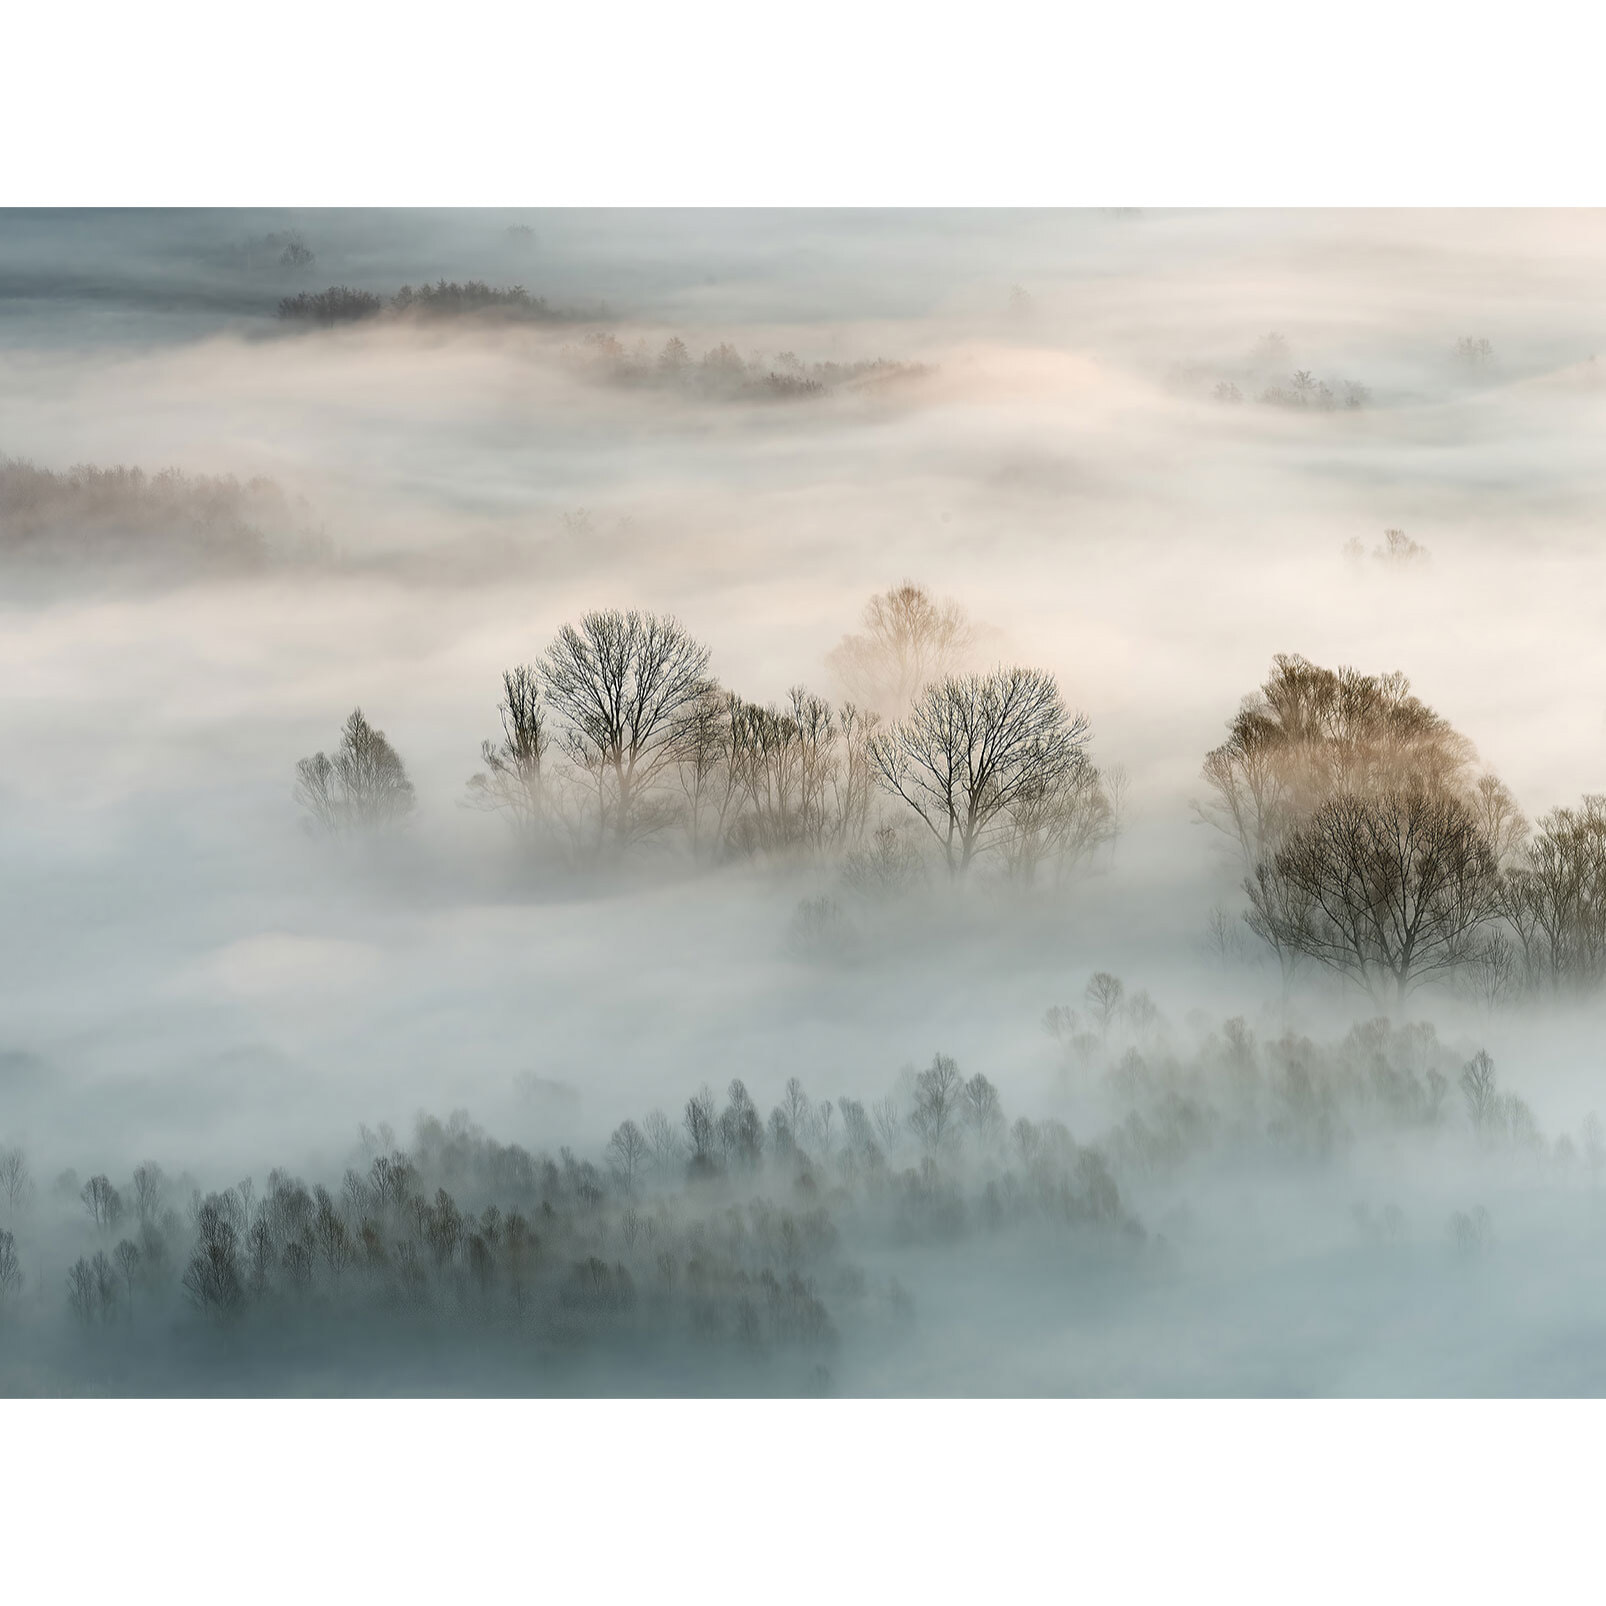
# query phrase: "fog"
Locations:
[[1074, 426]]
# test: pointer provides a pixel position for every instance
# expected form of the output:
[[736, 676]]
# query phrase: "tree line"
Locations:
[[723, 372], [124, 514], [619, 739], [721, 1226], [443, 299], [717, 1226]]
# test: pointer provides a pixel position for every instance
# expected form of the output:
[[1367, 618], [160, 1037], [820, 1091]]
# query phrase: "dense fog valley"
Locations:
[[878, 803]]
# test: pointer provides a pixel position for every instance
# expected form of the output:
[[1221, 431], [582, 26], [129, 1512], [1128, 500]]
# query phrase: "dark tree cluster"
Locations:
[[338, 304], [719, 1230], [443, 299], [722, 1228], [723, 373]]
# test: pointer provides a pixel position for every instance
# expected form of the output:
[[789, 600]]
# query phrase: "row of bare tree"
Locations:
[[620, 737]]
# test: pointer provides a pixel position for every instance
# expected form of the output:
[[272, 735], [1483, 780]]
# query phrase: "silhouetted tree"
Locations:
[[972, 749], [16, 1181], [700, 1122], [983, 1112], [1478, 1089], [628, 1149], [150, 1188], [939, 1090], [741, 1129], [127, 1257], [103, 1202], [513, 781], [212, 1279], [1555, 899], [662, 1139], [81, 1296], [10, 1266], [338, 304], [1399, 887], [624, 685], [363, 787]]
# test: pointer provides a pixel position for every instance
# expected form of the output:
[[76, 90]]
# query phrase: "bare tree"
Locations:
[[887, 868], [514, 781], [1555, 899], [1337, 787], [103, 1202], [889, 1123], [1478, 1089], [1397, 887], [363, 787], [1493, 974], [628, 1149], [699, 1119], [908, 639], [1309, 734], [1279, 908], [1058, 821], [741, 1129], [16, 1182], [1105, 995], [984, 1115], [824, 1116], [330, 1234], [212, 1279], [624, 685], [10, 1266], [662, 1139], [81, 1296], [708, 776], [797, 1108], [972, 749], [150, 1188], [1499, 819], [939, 1090], [127, 1257], [106, 1292]]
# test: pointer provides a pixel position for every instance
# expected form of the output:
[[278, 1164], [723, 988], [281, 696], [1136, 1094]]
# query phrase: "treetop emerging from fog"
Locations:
[[972, 749], [622, 683], [909, 639]]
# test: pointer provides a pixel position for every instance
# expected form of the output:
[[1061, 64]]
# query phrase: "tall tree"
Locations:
[[972, 749], [1555, 899], [624, 685], [1396, 888], [513, 781], [1309, 734]]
